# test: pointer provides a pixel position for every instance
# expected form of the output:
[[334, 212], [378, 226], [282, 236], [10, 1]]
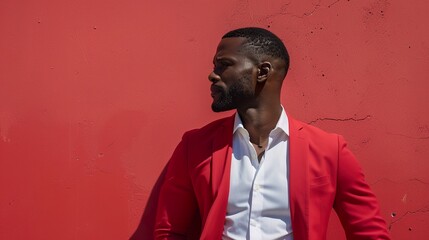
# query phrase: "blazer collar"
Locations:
[[299, 190]]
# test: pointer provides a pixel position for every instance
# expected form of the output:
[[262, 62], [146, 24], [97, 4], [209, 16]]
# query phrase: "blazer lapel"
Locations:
[[298, 181], [220, 176]]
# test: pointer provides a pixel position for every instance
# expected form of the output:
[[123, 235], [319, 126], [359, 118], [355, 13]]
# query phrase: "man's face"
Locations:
[[233, 77]]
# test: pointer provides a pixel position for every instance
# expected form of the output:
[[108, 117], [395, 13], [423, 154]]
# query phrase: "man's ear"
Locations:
[[264, 71]]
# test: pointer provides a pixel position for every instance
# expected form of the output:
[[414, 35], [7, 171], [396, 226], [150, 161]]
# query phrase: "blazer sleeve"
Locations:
[[177, 205], [355, 203]]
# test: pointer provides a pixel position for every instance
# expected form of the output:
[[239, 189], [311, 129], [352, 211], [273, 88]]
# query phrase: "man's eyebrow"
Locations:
[[222, 58]]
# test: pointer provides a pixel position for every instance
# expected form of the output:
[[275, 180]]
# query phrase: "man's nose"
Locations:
[[213, 77]]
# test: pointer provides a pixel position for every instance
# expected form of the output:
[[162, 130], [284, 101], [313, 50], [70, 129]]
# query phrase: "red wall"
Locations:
[[95, 94]]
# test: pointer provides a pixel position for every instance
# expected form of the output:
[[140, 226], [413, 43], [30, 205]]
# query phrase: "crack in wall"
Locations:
[[407, 136], [332, 4], [284, 11], [340, 119], [418, 180], [424, 209], [395, 182], [381, 180], [308, 13]]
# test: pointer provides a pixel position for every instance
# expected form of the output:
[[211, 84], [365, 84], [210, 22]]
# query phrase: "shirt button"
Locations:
[[256, 187], [252, 222]]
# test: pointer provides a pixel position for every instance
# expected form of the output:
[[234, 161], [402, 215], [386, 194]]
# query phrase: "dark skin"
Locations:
[[255, 85]]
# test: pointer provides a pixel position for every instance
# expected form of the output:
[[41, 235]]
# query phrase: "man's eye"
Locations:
[[222, 64], [219, 66]]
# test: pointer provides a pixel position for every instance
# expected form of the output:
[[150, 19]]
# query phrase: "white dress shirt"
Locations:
[[258, 203]]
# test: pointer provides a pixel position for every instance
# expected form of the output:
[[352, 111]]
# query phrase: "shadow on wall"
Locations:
[[146, 226], [147, 222]]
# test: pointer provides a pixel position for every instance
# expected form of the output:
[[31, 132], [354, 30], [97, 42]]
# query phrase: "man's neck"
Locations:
[[260, 121]]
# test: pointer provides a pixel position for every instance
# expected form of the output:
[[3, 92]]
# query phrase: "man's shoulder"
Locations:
[[313, 134], [323, 144]]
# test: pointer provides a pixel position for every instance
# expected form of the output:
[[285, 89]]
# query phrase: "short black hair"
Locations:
[[261, 42]]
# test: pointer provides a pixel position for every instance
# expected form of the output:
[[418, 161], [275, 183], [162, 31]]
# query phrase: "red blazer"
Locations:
[[323, 175]]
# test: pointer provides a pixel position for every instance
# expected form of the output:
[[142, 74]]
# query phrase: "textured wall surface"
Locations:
[[95, 94]]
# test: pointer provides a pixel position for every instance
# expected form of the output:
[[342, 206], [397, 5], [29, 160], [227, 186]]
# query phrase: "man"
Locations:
[[260, 174]]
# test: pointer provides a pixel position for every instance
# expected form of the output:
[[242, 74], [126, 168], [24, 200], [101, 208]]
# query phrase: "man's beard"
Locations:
[[224, 102], [230, 99]]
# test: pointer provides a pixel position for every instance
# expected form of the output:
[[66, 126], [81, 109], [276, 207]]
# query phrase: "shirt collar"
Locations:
[[282, 123]]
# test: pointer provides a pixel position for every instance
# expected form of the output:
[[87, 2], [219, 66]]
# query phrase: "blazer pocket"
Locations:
[[320, 181]]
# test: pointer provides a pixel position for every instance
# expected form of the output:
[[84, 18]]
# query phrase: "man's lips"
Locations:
[[215, 90]]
